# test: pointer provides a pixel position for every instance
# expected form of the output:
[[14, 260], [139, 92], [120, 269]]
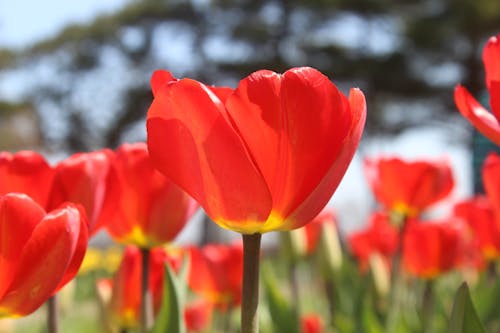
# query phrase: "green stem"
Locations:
[[329, 285], [427, 306], [250, 294], [52, 315], [146, 310]]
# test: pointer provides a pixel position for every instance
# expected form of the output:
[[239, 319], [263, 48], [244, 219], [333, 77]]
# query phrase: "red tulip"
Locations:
[[312, 323], [478, 214], [81, 178], [265, 156], [380, 237], [198, 315], [142, 207], [215, 273], [408, 187], [484, 121], [126, 294], [26, 172], [39, 252], [432, 248]]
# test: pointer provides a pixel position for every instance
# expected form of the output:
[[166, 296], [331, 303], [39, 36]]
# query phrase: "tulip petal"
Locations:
[[19, 215], [484, 121], [491, 60], [321, 194], [42, 263], [191, 141], [26, 172], [159, 79], [81, 179], [294, 126], [495, 97], [76, 216]]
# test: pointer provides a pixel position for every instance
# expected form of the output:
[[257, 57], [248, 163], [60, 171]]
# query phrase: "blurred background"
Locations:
[[74, 75]]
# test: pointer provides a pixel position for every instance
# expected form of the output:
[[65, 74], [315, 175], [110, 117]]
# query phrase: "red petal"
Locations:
[[495, 97], [484, 121], [26, 172], [42, 263], [19, 215], [343, 151], [192, 143], [159, 79], [76, 216], [81, 178], [491, 59], [295, 127]]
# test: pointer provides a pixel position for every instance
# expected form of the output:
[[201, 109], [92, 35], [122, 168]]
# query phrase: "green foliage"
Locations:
[[281, 311], [170, 318], [464, 318]]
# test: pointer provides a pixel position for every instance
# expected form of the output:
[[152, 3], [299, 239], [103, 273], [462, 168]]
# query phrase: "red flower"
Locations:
[[408, 187], [142, 207], [266, 156], [484, 121], [81, 178], [126, 294], [198, 315], [39, 252], [479, 216], [432, 248], [215, 273], [380, 237], [312, 323], [26, 172]]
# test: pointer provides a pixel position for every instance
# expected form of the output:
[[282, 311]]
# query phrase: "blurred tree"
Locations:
[[401, 53]]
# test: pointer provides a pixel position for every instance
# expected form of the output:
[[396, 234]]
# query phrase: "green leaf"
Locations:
[[170, 318], [464, 318], [282, 314]]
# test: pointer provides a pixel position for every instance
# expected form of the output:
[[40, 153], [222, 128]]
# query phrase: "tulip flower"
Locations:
[[39, 251], [433, 248], [265, 156], [142, 207], [485, 122], [312, 323], [198, 315], [215, 273], [125, 300], [408, 188], [82, 178], [26, 172], [480, 218], [380, 237]]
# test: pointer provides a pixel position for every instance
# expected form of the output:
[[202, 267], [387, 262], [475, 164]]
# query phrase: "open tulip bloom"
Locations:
[[41, 253], [485, 122], [407, 187], [265, 156]]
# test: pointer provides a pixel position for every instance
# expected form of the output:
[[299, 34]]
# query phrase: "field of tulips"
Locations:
[[265, 157]]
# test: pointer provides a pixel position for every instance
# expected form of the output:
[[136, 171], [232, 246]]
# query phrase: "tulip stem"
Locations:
[[52, 315], [427, 306], [250, 295], [146, 310]]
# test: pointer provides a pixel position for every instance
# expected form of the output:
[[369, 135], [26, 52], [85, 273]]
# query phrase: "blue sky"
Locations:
[[25, 21]]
